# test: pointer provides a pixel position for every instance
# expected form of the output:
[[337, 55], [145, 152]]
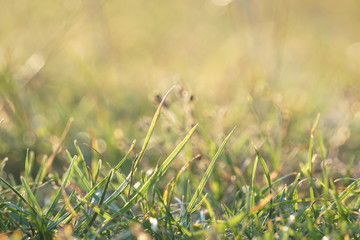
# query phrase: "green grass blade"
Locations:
[[93, 218], [118, 191], [42, 171], [37, 216], [160, 172], [207, 174], [85, 171], [82, 180], [16, 192], [97, 209], [66, 218], [310, 157], [311, 146], [117, 167], [265, 167], [211, 211], [2, 164], [340, 206], [63, 208], [151, 128], [348, 190], [126, 182], [251, 201], [29, 162], [165, 165], [148, 136], [267, 175], [30, 197], [59, 191], [198, 205]]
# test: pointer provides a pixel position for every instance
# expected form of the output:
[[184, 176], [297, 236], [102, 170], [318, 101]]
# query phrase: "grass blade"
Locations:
[[125, 157], [92, 220], [147, 138], [208, 173], [29, 162], [16, 192], [160, 172], [59, 191], [267, 176], [151, 128], [264, 166], [251, 201], [310, 157], [30, 197], [66, 218], [311, 146], [85, 171]]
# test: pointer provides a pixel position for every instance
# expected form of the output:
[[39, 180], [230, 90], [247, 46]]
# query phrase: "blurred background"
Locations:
[[268, 67]]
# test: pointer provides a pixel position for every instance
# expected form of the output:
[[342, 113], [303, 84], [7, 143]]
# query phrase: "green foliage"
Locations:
[[92, 203], [79, 80]]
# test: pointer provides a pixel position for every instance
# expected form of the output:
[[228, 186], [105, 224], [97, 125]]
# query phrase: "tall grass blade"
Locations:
[[126, 182], [147, 138], [264, 166], [159, 172], [207, 174], [251, 201], [92, 220], [17, 193], [30, 197], [118, 191], [64, 182], [84, 171], [267, 174], [311, 156], [349, 189], [29, 162], [151, 128], [311, 146], [66, 218]]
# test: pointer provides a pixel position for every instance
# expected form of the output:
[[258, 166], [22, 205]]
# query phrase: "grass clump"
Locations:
[[95, 200]]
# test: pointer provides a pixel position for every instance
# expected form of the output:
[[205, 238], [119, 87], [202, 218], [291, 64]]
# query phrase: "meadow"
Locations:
[[213, 119]]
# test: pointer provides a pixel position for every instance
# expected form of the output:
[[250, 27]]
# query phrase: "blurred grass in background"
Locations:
[[267, 66]]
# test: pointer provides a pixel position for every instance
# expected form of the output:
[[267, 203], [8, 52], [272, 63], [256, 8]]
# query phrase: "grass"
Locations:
[[98, 201], [80, 80]]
